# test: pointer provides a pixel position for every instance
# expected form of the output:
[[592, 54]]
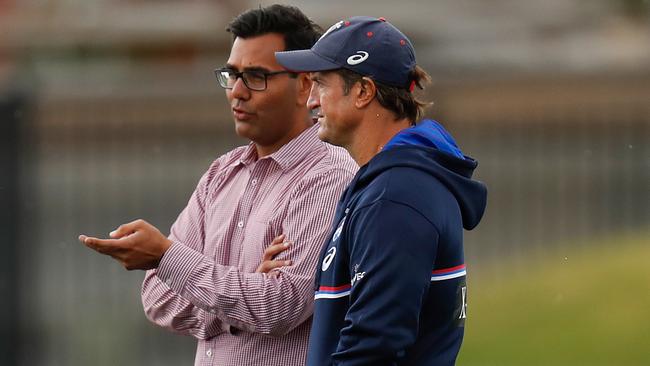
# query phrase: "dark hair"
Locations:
[[400, 101], [299, 31]]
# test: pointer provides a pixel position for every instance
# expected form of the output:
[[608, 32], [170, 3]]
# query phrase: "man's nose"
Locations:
[[240, 90], [314, 98]]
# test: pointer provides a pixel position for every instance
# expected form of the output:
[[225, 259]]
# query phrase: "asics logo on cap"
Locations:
[[360, 57]]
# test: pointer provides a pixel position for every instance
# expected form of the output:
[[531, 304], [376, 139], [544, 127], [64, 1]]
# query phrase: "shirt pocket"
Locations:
[[265, 224], [260, 231]]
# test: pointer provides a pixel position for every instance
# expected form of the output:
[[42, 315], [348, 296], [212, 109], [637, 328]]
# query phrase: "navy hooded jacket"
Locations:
[[390, 287]]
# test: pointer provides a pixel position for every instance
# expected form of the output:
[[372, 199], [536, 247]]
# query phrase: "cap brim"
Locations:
[[304, 61]]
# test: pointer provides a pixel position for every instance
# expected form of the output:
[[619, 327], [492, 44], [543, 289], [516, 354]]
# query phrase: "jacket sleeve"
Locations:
[[162, 305], [392, 251], [273, 303]]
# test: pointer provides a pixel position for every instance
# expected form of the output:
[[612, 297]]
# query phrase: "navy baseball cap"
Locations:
[[366, 45]]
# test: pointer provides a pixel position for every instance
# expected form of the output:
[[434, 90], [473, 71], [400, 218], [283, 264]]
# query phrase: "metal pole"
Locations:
[[13, 108]]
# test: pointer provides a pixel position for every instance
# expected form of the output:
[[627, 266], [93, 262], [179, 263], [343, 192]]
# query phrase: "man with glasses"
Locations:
[[205, 280]]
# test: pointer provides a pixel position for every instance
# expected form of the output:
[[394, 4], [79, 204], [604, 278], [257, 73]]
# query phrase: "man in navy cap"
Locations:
[[390, 287]]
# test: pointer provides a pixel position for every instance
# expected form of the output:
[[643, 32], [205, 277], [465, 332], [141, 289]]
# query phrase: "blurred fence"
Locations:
[[564, 160], [97, 163]]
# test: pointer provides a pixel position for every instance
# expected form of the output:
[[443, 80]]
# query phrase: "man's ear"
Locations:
[[303, 88], [365, 91]]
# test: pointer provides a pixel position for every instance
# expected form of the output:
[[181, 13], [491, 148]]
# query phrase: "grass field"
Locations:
[[589, 306]]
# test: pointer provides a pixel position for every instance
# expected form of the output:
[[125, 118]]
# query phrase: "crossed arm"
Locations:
[[162, 305], [188, 292], [140, 245]]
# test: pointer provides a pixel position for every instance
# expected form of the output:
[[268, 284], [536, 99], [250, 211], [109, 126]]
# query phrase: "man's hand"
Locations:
[[136, 245], [278, 245]]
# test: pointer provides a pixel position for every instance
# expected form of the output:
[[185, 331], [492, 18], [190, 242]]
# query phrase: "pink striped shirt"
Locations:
[[205, 285]]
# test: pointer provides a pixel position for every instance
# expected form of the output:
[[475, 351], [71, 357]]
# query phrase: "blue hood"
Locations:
[[427, 133], [430, 148]]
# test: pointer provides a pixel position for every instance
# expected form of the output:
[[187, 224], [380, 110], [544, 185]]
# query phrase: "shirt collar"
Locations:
[[249, 156], [290, 153]]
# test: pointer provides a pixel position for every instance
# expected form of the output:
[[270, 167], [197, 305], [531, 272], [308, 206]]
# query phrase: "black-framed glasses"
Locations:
[[254, 80]]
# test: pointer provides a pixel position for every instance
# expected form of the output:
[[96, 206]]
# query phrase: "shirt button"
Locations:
[[254, 181], [209, 352], [240, 224]]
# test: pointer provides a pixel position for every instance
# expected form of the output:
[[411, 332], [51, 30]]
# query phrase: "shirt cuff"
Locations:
[[177, 264]]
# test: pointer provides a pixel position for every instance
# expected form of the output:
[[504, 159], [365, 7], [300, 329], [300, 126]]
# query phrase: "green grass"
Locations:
[[585, 307]]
